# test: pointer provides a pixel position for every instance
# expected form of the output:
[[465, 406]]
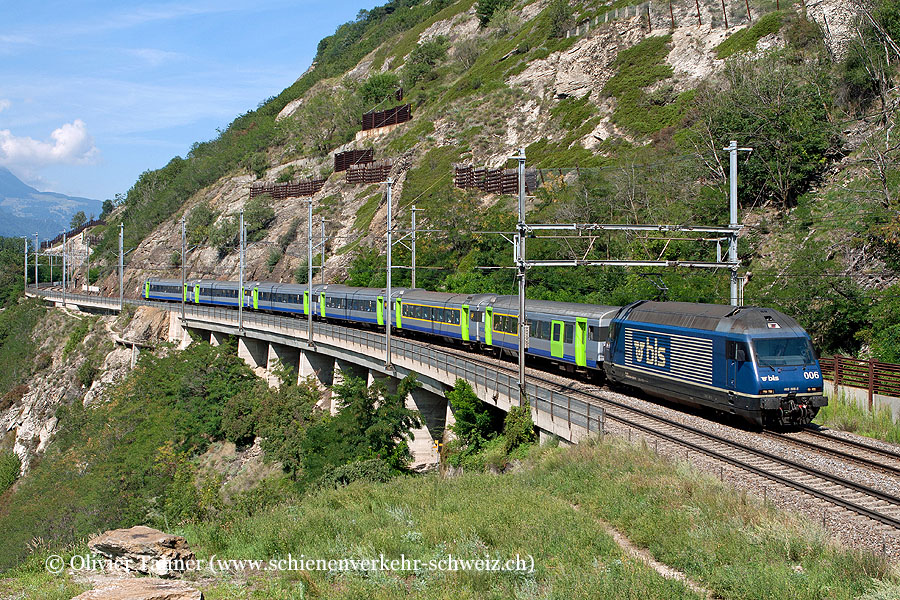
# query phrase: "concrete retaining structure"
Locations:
[[860, 397]]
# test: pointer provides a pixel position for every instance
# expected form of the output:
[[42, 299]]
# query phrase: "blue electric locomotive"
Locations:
[[753, 362]]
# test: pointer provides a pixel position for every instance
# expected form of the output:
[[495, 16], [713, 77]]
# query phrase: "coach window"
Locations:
[[570, 333]]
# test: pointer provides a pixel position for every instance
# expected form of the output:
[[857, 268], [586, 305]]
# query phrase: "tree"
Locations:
[[423, 59], [486, 9], [78, 219], [560, 17], [377, 89], [108, 207], [475, 422], [779, 108], [372, 423]]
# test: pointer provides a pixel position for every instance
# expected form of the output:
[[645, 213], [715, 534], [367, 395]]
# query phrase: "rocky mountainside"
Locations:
[[608, 103]]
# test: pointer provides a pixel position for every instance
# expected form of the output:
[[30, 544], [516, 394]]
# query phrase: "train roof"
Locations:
[[567, 309], [414, 294], [711, 317]]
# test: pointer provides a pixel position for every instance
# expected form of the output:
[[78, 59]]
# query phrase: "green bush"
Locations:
[[372, 423], [422, 61], [10, 466], [225, 236], [86, 372], [374, 470], [273, 259], [518, 428], [258, 164], [485, 9], [560, 17], [283, 416], [784, 108], [77, 335], [745, 39], [378, 90], [258, 216], [198, 223], [475, 421], [285, 239], [240, 415]]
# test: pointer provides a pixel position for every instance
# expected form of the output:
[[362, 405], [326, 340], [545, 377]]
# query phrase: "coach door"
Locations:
[[196, 294], [556, 338], [255, 296], [380, 311], [489, 326], [398, 310], [321, 305], [581, 342], [464, 322]]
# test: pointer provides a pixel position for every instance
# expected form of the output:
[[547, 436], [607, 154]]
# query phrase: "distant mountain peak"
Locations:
[[10, 185], [25, 210]]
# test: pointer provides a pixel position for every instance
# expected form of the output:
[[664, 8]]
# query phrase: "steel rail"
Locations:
[[868, 462]]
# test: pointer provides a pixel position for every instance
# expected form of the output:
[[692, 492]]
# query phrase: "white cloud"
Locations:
[[4, 104], [71, 144]]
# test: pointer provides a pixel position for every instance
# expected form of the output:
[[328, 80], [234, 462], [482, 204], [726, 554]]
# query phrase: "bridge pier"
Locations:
[[321, 368], [433, 411], [449, 421], [216, 338], [255, 353], [287, 356], [342, 370], [177, 332]]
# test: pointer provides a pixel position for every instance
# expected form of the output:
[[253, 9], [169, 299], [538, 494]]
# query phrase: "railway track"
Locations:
[[862, 454], [836, 490]]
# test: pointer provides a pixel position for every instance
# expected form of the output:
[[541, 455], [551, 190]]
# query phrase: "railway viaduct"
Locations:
[[267, 340]]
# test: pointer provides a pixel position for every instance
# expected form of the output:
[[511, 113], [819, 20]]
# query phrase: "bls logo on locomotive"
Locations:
[[650, 352]]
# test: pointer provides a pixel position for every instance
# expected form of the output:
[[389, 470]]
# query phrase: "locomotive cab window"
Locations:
[[737, 351], [784, 352]]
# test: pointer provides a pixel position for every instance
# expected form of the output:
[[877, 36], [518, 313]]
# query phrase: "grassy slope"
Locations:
[[553, 509]]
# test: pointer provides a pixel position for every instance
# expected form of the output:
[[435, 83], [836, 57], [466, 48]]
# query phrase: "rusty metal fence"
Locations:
[[374, 172], [493, 181], [391, 116], [344, 160], [280, 191], [875, 377], [70, 234]]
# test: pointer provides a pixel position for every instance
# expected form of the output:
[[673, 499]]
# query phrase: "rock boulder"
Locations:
[[141, 589], [144, 550]]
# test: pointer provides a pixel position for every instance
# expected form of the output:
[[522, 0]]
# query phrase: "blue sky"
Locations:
[[94, 92]]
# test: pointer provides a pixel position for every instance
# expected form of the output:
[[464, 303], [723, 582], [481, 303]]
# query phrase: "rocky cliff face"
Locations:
[[31, 421], [580, 70]]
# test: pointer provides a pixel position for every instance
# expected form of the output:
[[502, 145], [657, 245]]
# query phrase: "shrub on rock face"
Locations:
[[10, 466]]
